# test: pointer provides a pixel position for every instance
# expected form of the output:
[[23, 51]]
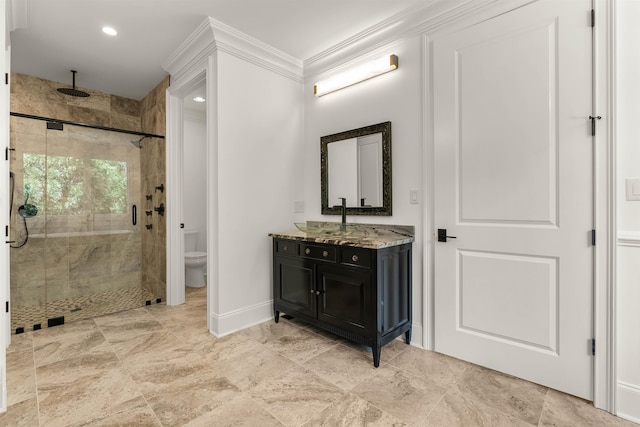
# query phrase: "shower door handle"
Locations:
[[134, 215]]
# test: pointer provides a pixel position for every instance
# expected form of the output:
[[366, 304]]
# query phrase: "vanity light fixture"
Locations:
[[199, 99], [110, 31], [356, 75]]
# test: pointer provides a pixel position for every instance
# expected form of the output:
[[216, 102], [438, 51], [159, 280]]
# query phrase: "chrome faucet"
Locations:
[[343, 211]]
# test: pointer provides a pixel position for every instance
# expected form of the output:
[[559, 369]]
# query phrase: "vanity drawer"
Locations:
[[325, 253], [355, 256], [285, 247]]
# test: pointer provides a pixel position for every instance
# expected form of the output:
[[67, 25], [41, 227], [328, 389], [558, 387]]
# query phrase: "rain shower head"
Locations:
[[73, 91], [137, 143]]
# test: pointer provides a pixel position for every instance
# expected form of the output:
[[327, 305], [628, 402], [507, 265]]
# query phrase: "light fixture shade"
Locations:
[[356, 75]]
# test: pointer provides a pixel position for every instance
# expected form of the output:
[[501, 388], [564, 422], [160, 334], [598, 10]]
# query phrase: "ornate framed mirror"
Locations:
[[356, 165]]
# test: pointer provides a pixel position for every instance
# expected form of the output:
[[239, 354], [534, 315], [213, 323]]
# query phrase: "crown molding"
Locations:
[[428, 17], [212, 35]]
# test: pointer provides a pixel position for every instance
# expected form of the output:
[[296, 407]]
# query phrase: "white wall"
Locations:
[[628, 158], [195, 188], [259, 146], [395, 97]]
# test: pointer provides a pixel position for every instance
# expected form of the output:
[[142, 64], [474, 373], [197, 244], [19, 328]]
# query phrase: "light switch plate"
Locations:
[[633, 189], [413, 196]]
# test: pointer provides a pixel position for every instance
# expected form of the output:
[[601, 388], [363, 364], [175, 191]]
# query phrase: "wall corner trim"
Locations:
[[212, 35], [236, 320]]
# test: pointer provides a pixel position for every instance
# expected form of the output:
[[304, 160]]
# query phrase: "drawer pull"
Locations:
[[307, 251], [354, 258], [325, 254]]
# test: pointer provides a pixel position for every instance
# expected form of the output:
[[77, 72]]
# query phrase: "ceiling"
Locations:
[[61, 35]]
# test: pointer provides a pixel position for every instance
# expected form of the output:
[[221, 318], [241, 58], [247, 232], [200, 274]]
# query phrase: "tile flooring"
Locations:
[[158, 366]]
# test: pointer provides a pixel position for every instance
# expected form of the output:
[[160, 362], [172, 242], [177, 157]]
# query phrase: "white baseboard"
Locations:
[[228, 323], [416, 335], [628, 402]]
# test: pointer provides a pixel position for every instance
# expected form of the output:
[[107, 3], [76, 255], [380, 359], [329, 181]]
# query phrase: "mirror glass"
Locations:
[[356, 165]]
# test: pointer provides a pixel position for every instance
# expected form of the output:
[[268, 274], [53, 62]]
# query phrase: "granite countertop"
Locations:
[[372, 236]]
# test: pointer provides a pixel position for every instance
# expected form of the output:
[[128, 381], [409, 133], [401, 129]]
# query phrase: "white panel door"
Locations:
[[513, 180]]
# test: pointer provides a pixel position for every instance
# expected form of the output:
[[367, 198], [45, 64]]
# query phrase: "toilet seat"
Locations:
[[195, 256]]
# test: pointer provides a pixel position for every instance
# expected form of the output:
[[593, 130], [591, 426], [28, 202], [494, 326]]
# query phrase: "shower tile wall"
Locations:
[[153, 165], [86, 275]]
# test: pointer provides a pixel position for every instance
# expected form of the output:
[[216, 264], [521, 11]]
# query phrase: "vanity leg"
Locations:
[[276, 315], [376, 354], [407, 337]]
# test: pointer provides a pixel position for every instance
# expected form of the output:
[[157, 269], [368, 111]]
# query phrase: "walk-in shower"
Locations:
[[77, 250]]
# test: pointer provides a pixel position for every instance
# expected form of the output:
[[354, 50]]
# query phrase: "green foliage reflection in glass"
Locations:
[[109, 186], [66, 193]]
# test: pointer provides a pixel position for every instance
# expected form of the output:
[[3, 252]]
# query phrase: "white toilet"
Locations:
[[195, 263]]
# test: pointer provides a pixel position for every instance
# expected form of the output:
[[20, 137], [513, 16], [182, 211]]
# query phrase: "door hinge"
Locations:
[[6, 78], [7, 306], [593, 346], [593, 237], [6, 231], [6, 152], [593, 17]]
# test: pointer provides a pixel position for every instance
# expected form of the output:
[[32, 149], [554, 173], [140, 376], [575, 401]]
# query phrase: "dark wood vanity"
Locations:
[[357, 286]]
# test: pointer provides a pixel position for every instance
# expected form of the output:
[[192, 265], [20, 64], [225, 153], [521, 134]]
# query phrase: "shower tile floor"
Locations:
[[78, 308], [158, 366]]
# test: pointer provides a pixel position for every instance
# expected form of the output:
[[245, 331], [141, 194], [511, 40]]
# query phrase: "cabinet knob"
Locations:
[[354, 258], [311, 290], [285, 248], [318, 292], [307, 251], [325, 254]]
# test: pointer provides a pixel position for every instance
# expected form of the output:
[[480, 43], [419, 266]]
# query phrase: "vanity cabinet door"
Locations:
[[294, 288], [344, 298]]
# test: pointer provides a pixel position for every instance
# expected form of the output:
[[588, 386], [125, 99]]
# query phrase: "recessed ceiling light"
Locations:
[[199, 99], [110, 31]]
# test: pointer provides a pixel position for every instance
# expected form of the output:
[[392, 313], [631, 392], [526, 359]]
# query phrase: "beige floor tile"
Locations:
[[66, 341], [513, 396], [240, 411], [568, 411], [295, 396], [269, 331], [167, 368], [149, 348], [135, 412], [300, 346], [75, 389], [352, 411], [21, 342], [247, 362], [160, 364], [342, 366], [187, 400], [21, 374], [401, 394], [436, 367], [458, 410], [128, 324], [21, 414]]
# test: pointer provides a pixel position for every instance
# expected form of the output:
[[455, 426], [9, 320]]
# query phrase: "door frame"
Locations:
[[186, 81], [604, 292]]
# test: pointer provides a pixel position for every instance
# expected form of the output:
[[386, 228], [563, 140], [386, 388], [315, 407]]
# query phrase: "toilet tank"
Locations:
[[190, 240]]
